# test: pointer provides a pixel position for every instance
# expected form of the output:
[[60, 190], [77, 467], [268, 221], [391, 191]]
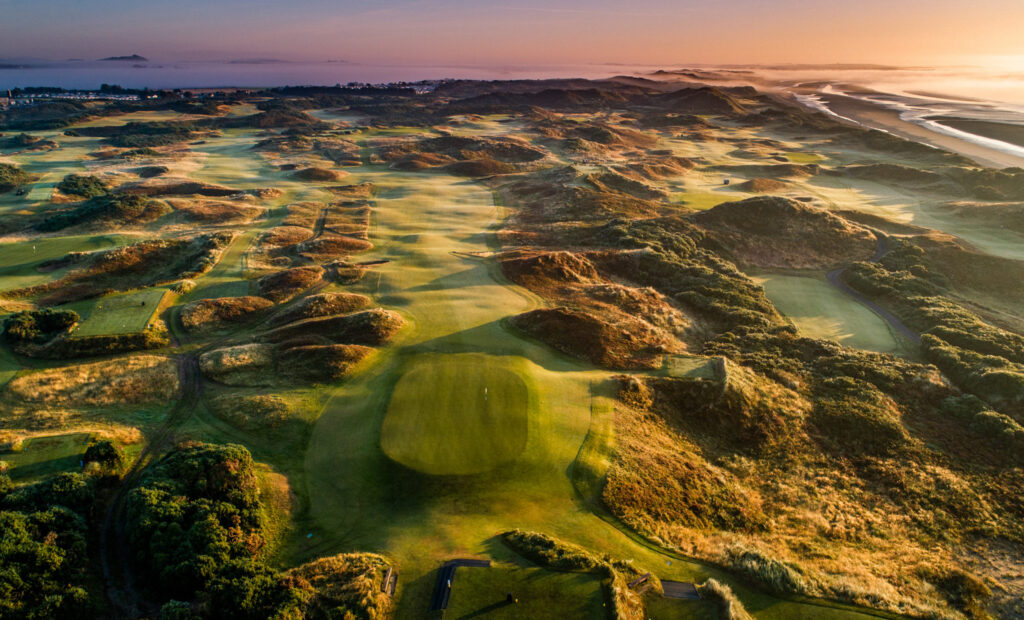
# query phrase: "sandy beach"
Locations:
[[880, 117]]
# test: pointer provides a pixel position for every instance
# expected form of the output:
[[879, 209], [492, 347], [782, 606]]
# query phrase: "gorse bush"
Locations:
[[38, 326], [196, 523], [44, 560], [113, 208], [87, 186], [11, 177]]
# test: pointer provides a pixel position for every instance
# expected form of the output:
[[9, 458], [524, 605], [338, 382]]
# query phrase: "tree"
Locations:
[[106, 454]]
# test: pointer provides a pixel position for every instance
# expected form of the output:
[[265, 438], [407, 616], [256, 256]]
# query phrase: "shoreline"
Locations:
[[880, 117]]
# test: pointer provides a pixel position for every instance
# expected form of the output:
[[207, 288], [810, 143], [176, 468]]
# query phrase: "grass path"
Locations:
[[360, 499]]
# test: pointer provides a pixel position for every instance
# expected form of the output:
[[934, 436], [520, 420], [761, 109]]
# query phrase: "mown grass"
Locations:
[[119, 314], [819, 310], [456, 414], [42, 456], [427, 225], [19, 259], [482, 592]]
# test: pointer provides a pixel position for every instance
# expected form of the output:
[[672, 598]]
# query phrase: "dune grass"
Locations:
[[482, 592], [819, 310], [804, 158], [456, 414], [362, 500], [119, 314], [351, 495]]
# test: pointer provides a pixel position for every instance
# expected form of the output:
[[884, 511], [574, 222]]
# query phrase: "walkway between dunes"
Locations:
[[835, 277]]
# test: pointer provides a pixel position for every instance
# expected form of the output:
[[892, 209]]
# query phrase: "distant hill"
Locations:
[[132, 58]]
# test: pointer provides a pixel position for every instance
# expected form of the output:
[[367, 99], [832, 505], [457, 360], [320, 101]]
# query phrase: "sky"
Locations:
[[528, 32]]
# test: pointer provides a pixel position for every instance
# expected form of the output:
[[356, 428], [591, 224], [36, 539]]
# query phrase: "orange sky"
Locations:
[[536, 32]]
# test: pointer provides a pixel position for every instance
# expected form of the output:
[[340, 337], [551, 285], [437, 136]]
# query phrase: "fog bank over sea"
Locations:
[[935, 98], [264, 73]]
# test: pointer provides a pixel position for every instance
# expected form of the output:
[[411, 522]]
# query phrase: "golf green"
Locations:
[[456, 414]]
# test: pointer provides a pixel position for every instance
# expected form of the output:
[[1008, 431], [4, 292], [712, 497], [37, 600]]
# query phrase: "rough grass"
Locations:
[[346, 586], [247, 364], [212, 314], [284, 285], [136, 379], [321, 305], [368, 327], [729, 607]]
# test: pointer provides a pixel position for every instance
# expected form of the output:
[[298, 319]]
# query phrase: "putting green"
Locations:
[[820, 311], [482, 592], [456, 414]]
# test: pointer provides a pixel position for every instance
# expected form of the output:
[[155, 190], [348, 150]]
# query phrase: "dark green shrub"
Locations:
[[87, 186]]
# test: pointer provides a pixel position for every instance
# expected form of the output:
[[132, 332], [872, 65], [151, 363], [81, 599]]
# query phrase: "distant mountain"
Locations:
[[132, 58]]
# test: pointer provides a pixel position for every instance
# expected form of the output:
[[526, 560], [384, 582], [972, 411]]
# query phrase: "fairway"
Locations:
[[42, 456], [820, 311], [19, 259], [456, 414], [120, 314], [482, 592]]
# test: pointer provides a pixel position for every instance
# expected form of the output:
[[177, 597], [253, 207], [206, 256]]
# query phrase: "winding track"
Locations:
[[836, 279], [124, 597]]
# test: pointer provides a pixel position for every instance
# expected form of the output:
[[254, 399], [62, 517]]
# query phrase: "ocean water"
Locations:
[[89, 75]]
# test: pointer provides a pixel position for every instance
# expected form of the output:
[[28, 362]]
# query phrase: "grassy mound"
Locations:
[[775, 232], [134, 379], [546, 551], [761, 185], [655, 167], [729, 607], [283, 236], [420, 161], [215, 212], [349, 585], [630, 343], [611, 181], [107, 210], [547, 270], [255, 412], [176, 187], [283, 285], [329, 247], [244, 365], [456, 415], [321, 305], [703, 100], [482, 167], [319, 175], [136, 266], [1008, 215], [320, 363], [891, 173], [256, 365], [86, 186], [149, 172], [500, 149], [209, 314], [12, 177], [369, 327]]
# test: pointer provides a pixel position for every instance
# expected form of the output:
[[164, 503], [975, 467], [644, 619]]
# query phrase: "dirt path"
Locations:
[[835, 277], [114, 550]]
